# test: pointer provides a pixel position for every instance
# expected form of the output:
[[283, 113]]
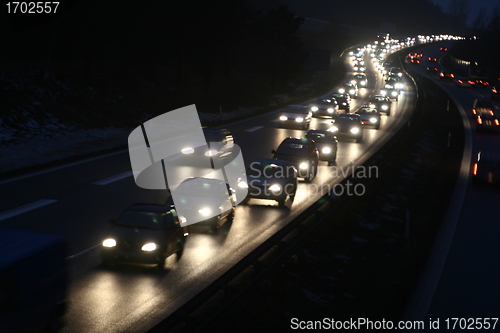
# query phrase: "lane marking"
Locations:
[[114, 178], [82, 252], [254, 128], [25, 208]]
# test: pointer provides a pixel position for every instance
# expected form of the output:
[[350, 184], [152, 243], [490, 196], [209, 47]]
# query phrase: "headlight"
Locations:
[[243, 185], [372, 106], [384, 107], [330, 110], [373, 120], [326, 150], [394, 93], [383, 93], [110, 242], [211, 152], [355, 130], [314, 108], [299, 120], [205, 211], [188, 150], [399, 86], [275, 188], [182, 219], [341, 90], [400, 74], [303, 165], [283, 118], [344, 103], [333, 129], [363, 83], [352, 91], [149, 247]]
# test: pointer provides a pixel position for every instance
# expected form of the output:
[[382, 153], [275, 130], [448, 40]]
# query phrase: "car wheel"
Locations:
[[378, 126], [359, 139], [281, 201], [161, 263], [388, 113]]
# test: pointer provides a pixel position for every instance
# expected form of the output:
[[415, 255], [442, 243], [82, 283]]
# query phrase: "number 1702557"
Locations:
[[39, 7]]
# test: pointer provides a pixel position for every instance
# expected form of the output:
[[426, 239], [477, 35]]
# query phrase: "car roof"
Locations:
[[348, 115], [147, 207]]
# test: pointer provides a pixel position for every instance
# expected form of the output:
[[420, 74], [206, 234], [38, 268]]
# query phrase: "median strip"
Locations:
[[253, 129]]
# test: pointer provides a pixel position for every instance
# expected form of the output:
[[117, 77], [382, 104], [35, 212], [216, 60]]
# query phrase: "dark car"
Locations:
[[444, 49], [432, 69], [348, 126], [144, 233], [381, 103], [272, 179], [486, 168], [480, 106], [204, 201], [324, 107], [326, 143], [432, 59], [487, 121], [296, 116], [302, 154], [390, 91], [446, 75], [495, 92], [349, 87], [343, 101], [361, 80], [369, 116]]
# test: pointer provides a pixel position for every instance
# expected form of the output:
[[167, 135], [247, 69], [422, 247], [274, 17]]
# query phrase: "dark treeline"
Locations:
[[408, 17], [212, 53]]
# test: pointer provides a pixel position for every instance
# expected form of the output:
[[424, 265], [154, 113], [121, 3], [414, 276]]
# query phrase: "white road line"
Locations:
[[114, 178], [254, 128], [82, 252], [25, 208]]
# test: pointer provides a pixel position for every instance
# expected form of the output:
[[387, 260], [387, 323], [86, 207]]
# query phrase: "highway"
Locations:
[[463, 270], [78, 201]]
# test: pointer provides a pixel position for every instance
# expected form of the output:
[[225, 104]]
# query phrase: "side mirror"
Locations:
[[273, 151]]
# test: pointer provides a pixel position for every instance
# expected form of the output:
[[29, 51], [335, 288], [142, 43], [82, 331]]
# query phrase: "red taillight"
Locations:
[[494, 90], [460, 81], [479, 121], [496, 122], [471, 82], [473, 111], [474, 169], [491, 112], [452, 75], [441, 74]]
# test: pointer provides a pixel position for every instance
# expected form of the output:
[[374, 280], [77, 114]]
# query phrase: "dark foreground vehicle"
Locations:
[[302, 154]]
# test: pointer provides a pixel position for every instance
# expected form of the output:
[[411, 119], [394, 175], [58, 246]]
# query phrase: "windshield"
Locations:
[[319, 137], [141, 220], [292, 148]]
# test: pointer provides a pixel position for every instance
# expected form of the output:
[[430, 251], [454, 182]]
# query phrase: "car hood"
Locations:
[[135, 235], [294, 159], [294, 115]]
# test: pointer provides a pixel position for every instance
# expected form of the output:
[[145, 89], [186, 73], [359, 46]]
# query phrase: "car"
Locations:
[[348, 126], [444, 49], [360, 68], [432, 69], [446, 75], [432, 59], [396, 81], [324, 107], [220, 141], [486, 168], [361, 79], [349, 87], [396, 71], [487, 121], [144, 233], [464, 83], [204, 201], [480, 106], [369, 116], [381, 103], [295, 116], [302, 154], [343, 101], [326, 143], [390, 91], [272, 179], [495, 92]]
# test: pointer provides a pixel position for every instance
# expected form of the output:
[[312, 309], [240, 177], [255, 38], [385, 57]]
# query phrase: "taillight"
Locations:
[[452, 75], [441, 74], [473, 111], [474, 169], [479, 121], [491, 112], [459, 81], [496, 122]]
